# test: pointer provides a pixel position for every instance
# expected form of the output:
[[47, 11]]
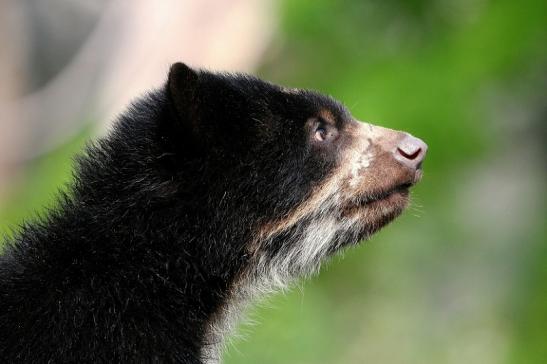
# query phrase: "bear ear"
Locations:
[[182, 90]]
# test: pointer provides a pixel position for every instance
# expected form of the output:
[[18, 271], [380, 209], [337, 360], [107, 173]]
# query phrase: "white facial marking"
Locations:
[[360, 156], [357, 167]]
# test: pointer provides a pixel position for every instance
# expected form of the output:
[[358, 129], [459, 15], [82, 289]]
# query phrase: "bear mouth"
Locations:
[[395, 197], [401, 189], [380, 203]]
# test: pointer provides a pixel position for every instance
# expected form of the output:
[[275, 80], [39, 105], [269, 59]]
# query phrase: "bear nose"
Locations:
[[411, 151]]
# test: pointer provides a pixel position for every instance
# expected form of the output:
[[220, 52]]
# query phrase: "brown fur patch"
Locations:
[[327, 115]]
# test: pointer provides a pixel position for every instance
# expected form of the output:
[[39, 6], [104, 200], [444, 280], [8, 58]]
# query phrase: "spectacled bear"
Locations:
[[206, 194]]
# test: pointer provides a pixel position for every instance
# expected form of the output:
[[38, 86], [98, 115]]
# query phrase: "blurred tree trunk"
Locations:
[[13, 133]]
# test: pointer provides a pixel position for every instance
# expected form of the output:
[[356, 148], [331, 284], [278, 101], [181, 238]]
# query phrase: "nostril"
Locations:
[[410, 151], [411, 154]]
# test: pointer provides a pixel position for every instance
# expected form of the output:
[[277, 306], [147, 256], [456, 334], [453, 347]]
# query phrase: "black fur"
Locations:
[[137, 257]]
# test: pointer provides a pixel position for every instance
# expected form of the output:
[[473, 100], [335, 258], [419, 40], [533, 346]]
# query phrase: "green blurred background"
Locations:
[[461, 277]]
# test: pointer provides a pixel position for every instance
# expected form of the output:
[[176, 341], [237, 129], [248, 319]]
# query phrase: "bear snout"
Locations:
[[406, 149]]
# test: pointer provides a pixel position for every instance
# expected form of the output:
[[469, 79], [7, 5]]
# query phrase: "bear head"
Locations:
[[293, 177]]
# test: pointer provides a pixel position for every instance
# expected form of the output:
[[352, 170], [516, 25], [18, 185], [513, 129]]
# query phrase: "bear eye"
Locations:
[[321, 134]]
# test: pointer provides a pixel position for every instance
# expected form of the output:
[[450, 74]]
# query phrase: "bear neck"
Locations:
[[125, 231]]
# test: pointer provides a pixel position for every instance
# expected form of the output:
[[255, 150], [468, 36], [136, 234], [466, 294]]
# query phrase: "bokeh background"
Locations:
[[460, 278]]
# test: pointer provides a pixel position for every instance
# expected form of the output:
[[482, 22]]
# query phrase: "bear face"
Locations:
[[310, 178]]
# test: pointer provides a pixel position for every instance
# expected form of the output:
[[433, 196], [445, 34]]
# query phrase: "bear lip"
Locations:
[[401, 188]]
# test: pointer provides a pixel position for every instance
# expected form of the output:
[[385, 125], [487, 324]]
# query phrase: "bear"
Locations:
[[208, 193]]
